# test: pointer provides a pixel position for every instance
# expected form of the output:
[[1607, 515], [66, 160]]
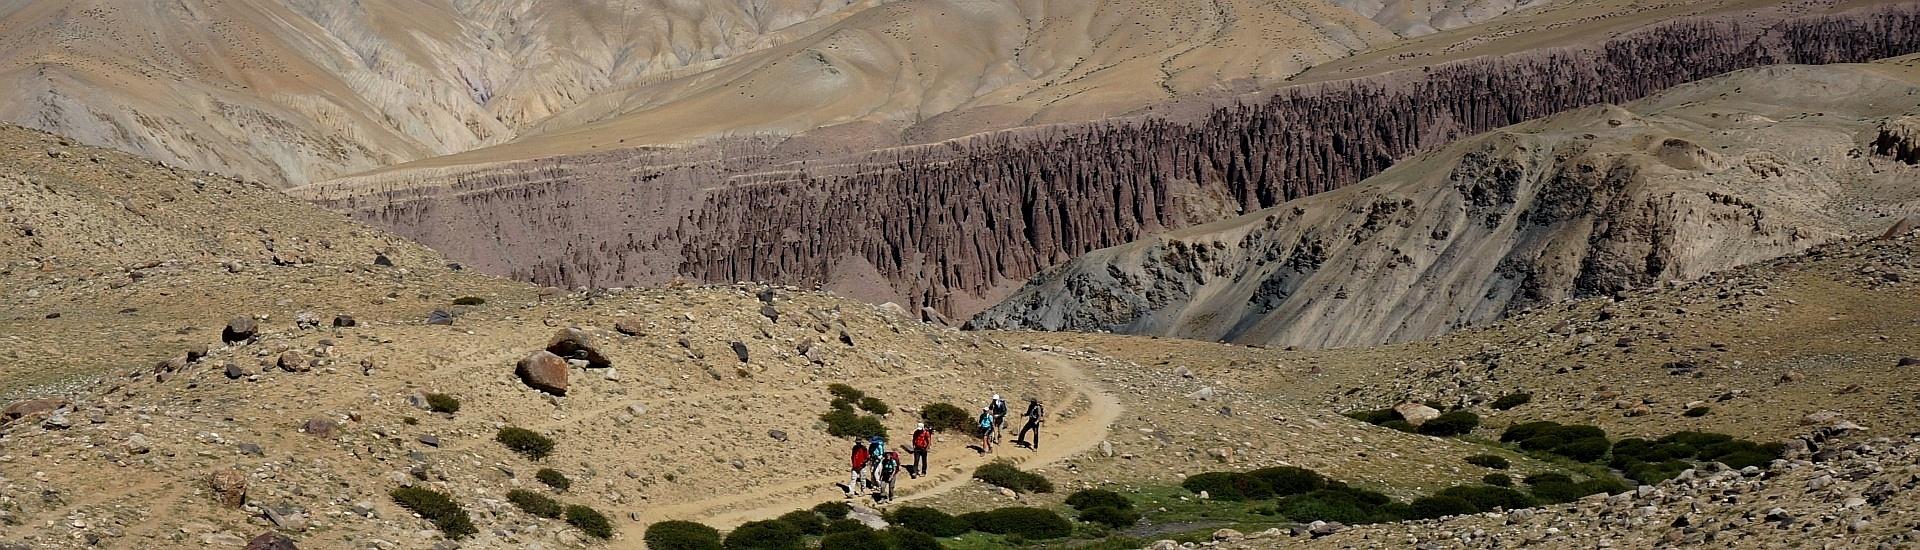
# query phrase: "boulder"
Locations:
[[235, 371], [196, 352], [229, 487], [1909, 362], [739, 350], [770, 312], [629, 327], [544, 371], [240, 329], [320, 427], [1416, 413], [573, 343], [1901, 228], [31, 407], [439, 317], [344, 321], [271, 541], [292, 361]]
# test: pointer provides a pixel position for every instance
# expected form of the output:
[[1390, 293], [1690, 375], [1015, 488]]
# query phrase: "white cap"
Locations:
[[996, 397], [923, 425]]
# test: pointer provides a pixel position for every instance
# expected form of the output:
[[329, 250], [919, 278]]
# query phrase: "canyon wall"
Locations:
[[959, 224]]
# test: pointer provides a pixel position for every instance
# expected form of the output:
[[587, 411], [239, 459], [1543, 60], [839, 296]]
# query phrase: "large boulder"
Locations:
[[240, 329], [229, 487], [271, 541], [1415, 413], [544, 371], [31, 407], [573, 343]]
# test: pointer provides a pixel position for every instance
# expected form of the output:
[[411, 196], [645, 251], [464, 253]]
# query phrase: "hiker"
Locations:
[[876, 448], [999, 407], [889, 467], [922, 442], [860, 459], [1035, 413], [986, 429]]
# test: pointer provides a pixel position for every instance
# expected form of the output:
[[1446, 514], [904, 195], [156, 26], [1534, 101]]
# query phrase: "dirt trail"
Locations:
[[1065, 438]]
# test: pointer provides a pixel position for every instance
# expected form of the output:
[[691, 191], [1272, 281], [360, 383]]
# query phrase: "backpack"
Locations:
[[986, 420], [889, 465], [860, 456], [999, 407], [922, 439]]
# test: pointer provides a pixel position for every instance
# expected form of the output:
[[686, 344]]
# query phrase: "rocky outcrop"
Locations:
[[1709, 176], [956, 225]]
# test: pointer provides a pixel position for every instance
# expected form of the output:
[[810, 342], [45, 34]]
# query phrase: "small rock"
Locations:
[[430, 440], [1228, 535], [229, 487], [344, 321], [320, 427], [240, 329], [777, 435]]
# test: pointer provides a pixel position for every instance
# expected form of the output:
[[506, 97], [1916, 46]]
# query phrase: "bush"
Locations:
[[1511, 400], [1697, 412], [1226, 486], [833, 510], [765, 535], [907, 539], [1399, 425], [1117, 518], [553, 478], [1496, 462], [438, 508], [469, 301], [845, 525], [1342, 504], [1287, 480], [1376, 417], [1451, 424], [854, 540], [590, 521], [874, 405], [1439, 506], [1098, 498], [534, 503], [846, 423], [945, 416], [929, 521], [845, 392], [1548, 477], [1003, 474], [1030, 523], [442, 403], [525, 442], [1488, 497], [1497, 480], [807, 522], [681, 535], [1560, 489]]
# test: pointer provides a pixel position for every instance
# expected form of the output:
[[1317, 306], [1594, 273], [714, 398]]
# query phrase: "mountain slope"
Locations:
[[1710, 175]]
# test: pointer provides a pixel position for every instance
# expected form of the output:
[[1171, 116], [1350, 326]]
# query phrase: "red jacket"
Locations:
[[922, 439], [860, 456]]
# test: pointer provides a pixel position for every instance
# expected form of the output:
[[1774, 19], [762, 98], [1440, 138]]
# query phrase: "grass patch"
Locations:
[[438, 508], [525, 441], [929, 521], [535, 503], [589, 521], [1496, 462], [442, 403]]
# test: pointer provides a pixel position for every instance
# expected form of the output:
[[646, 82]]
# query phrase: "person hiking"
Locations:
[[1035, 414], [922, 443], [860, 459], [999, 408], [889, 468], [986, 429], [876, 448]]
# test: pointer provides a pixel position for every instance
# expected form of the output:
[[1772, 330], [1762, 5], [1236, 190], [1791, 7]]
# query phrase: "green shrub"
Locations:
[[807, 522], [1548, 477], [1655, 472], [442, 403], [1287, 480], [469, 301], [846, 423], [1030, 523], [1342, 504], [833, 510], [1488, 497], [765, 535], [1511, 400], [845, 525], [1400, 426], [525, 442], [1583, 450], [1559, 489], [1226, 486], [1098, 498], [1451, 424], [1439, 506], [1497, 480], [1376, 417], [1117, 518], [854, 540], [534, 503], [589, 521], [438, 508], [1004, 474], [945, 416], [1697, 412], [1496, 462], [553, 478], [681, 535], [907, 539], [838, 404], [874, 405], [929, 521], [845, 392]]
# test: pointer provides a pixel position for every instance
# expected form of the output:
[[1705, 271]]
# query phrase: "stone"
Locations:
[[430, 440], [197, 352], [57, 420], [629, 327], [1909, 362], [271, 541], [770, 313], [544, 371], [777, 435], [1228, 535], [1183, 372], [292, 361], [306, 320], [252, 449], [229, 487], [439, 317], [344, 321], [320, 427], [1416, 413], [573, 343], [136, 444], [1901, 228], [235, 371], [739, 350], [240, 329], [1203, 394], [382, 260], [31, 407]]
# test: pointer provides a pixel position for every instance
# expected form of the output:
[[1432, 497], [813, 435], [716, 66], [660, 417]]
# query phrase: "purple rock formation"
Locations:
[[959, 224]]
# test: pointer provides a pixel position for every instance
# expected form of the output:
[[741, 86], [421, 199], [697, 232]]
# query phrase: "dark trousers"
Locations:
[[919, 461], [1033, 425]]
